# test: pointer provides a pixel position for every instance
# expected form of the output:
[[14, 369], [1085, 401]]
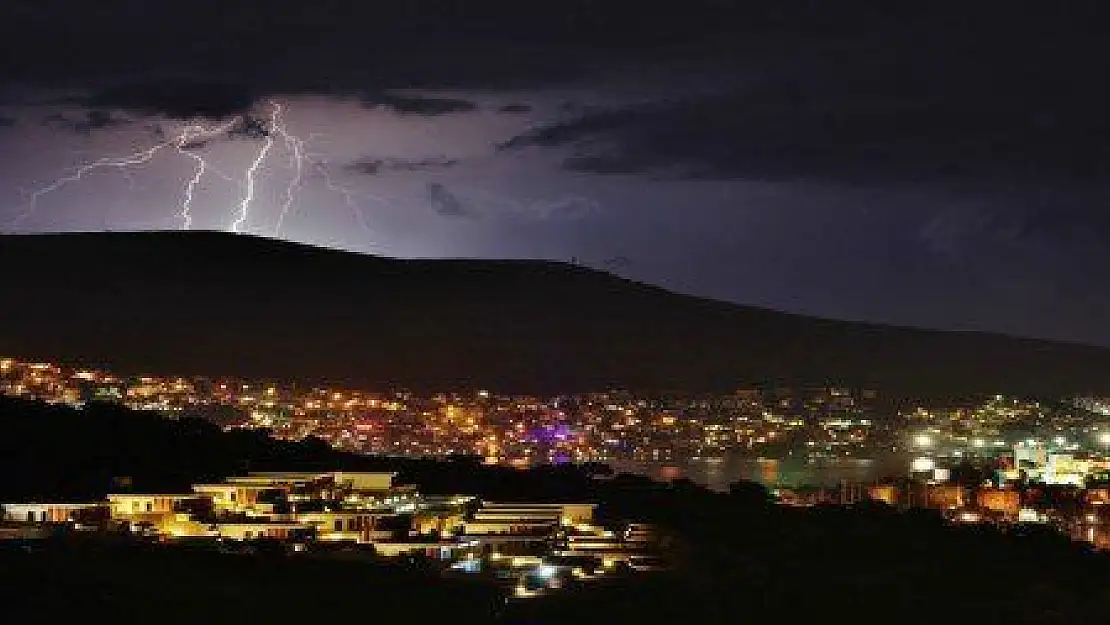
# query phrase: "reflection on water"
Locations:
[[718, 473]]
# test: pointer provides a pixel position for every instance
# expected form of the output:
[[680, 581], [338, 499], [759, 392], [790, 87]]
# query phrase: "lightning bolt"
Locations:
[[348, 195], [187, 141], [248, 177], [187, 203], [302, 160], [131, 160], [296, 147], [179, 142], [198, 173]]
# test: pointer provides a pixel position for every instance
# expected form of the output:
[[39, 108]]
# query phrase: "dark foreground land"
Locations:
[[86, 578], [738, 557]]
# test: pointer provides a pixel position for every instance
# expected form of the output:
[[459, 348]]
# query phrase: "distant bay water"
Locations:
[[716, 474]]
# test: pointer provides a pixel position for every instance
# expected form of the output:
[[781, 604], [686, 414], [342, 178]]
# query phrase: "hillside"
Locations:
[[219, 304], [92, 447]]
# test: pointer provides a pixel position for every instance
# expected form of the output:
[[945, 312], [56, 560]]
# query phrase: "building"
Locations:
[[237, 497], [359, 508], [1066, 469], [351, 525], [564, 513], [886, 493], [1001, 500], [368, 482], [49, 512], [636, 541], [945, 496], [1030, 458], [365, 482], [1098, 496], [257, 530], [166, 514]]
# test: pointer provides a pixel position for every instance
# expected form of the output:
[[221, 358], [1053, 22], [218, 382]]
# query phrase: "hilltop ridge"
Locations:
[[205, 303]]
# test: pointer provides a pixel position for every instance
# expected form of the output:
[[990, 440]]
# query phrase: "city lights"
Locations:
[[824, 423], [1009, 441]]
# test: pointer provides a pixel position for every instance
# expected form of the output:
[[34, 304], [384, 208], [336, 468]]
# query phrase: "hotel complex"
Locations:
[[533, 544]]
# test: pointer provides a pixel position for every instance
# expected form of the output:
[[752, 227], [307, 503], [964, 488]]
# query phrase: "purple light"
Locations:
[[552, 433]]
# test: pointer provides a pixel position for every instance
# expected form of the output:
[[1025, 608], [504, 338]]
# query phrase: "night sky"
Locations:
[[930, 163]]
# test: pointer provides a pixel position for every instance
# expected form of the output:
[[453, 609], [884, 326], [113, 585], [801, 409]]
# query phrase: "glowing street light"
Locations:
[[923, 440]]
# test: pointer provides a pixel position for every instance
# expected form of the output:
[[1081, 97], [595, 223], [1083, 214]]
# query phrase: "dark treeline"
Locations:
[[101, 580], [738, 557]]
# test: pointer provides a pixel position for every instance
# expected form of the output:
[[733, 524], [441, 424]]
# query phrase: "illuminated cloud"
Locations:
[[417, 105]]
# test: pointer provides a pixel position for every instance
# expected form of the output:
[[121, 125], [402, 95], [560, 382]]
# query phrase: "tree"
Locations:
[[749, 493]]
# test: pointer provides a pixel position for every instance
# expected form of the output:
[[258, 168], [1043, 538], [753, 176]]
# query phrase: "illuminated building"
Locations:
[[944, 496], [348, 525], [234, 497], [356, 508], [1065, 469], [159, 513], [1030, 456], [923, 464], [47, 512], [885, 493], [255, 530], [1004, 501]]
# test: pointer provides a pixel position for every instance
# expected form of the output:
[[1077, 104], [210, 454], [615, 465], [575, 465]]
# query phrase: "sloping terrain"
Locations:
[[220, 304]]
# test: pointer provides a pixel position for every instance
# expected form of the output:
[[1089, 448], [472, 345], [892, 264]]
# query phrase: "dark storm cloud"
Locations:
[[417, 105], [156, 131], [514, 108], [769, 134], [374, 166], [213, 58], [1024, 216], [6, 122], [176, 98], [190, 99], [195, 144], [249, 127], [576, 130], [87, 122], [825, 56], [999, 94], [445, 203], [607, 164]]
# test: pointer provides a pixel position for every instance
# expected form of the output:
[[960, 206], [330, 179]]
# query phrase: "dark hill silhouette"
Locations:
[[219, 304]]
